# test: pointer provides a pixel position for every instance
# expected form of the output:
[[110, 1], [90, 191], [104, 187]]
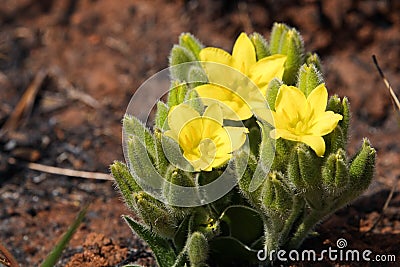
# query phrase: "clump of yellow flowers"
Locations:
[[247, 154]]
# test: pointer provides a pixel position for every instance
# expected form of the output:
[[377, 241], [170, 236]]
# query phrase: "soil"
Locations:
[[86, 59]]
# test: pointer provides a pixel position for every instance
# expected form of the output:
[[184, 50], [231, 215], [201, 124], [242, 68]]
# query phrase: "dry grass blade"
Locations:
[[25, 104], [395, 99], [63, 171], [6, 258]]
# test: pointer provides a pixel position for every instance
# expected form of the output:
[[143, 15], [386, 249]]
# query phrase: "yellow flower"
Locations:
[[302, 119], [205, 142], [238, 96]]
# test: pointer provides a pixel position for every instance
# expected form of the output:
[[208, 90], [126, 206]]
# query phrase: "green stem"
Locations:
[[298, 209], [305, 227]]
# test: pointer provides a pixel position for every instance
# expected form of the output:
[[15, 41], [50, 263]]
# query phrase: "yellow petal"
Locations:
[[237, 136], [265, 114], [244, 54], [283, 133], [318, 99], [220, 161], [325, 123], [267, 69], [179, 115], [190, 134], [213, 54], [291, 101], [316, 143], [233, 107], [214, 112]]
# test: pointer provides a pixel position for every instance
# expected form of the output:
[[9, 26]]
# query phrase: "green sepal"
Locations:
[[196, 76], [341, 107], [272, 92], [156, 215], [287, 41], [266, 157], [132, 126], [177, 93], [172, 194], [313, 58], [335, 175], [161, 116], [162, 162], [197, 249], [178, 56], [260, 44], [308, 78], [245, 165], [162, 250], [125, 181], [191, 43], [335, 140], [174, 154], [205, 223], [193, 100]]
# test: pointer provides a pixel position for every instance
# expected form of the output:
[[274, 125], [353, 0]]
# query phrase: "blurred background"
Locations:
[[68, 69]]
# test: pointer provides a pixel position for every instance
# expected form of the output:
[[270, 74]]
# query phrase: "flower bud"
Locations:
[[197, 249], [288, 41], [260, 45], [308, 78], [191, 43], [313, 58], [125, 181], [180, 55], [362, 167], [335, 175], [155, 214], [277, 196]]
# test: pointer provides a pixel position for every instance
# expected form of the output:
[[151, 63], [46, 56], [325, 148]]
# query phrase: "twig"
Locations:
[[25, 104], [66, 172], [9, 259], [395, 99], [385, 206], [71, 90]]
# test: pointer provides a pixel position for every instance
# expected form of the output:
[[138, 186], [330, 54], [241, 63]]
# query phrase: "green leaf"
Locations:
[[55, 254], [162, 250], [226, 250], [239, 218]]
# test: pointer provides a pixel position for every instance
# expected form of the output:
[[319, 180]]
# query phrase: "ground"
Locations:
[[84, 59]]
